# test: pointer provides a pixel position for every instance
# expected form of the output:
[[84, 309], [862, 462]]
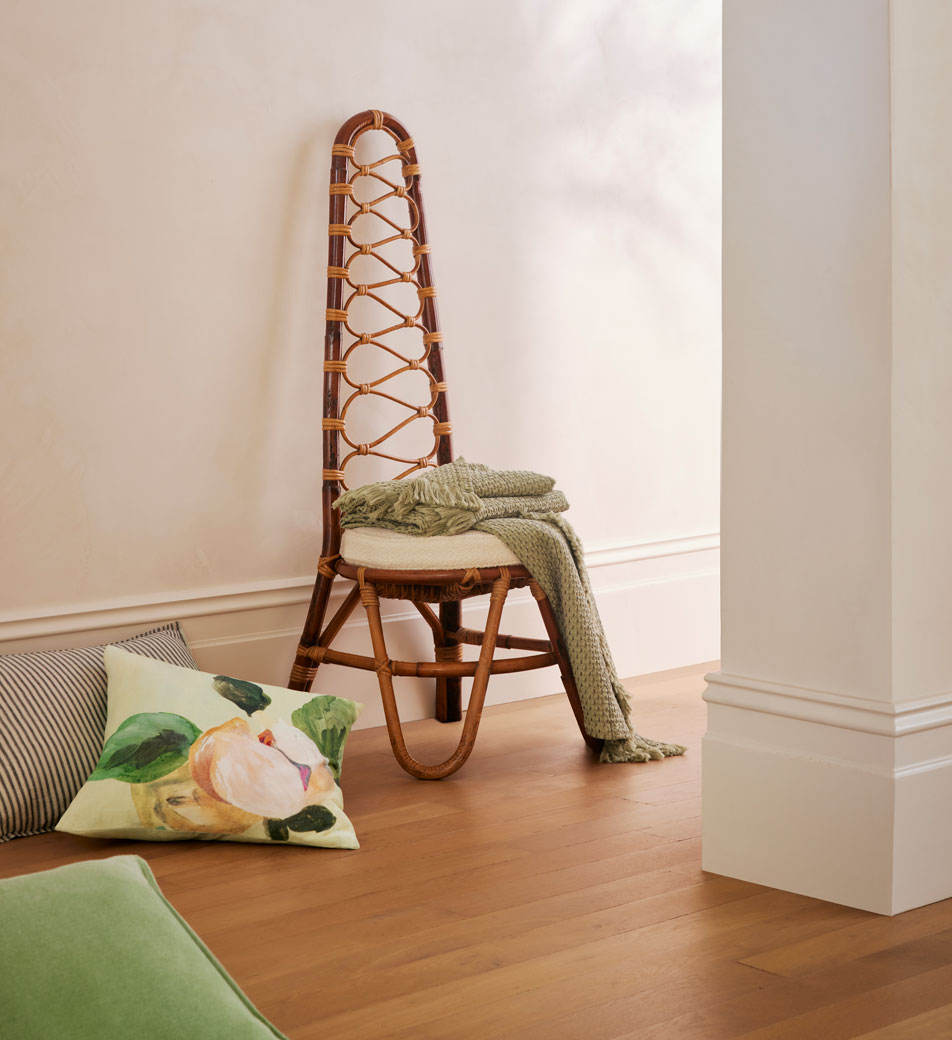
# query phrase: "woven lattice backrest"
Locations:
[[384, 394]]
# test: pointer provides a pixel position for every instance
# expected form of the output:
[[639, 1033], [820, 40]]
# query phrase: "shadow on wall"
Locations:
[[609, 304]]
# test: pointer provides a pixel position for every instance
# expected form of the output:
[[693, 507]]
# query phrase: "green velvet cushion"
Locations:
[[94, 950]]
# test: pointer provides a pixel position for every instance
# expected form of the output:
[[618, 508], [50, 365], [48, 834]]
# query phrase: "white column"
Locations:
[[828, 757]]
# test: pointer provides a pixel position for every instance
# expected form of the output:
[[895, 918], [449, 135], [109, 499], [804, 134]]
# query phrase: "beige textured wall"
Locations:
[[807, 344], [162, 202], [922, 359]]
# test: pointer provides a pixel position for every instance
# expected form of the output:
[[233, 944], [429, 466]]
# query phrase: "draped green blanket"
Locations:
[[523, 510]]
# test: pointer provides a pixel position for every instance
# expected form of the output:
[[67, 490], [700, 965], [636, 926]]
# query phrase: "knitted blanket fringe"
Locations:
[[523, 510]]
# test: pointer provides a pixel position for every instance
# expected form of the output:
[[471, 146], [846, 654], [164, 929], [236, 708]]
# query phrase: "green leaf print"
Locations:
[[277, 830], [311, 818], [146, 747], [327, 721], [246, 695]]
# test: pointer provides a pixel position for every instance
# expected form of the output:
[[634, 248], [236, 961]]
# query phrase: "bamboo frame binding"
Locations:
[[447, 588]]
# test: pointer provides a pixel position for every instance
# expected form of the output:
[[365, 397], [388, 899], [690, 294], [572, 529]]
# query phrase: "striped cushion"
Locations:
[[52, 721]]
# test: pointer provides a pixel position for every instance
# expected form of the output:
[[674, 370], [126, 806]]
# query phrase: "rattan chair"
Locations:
[[453, 569]]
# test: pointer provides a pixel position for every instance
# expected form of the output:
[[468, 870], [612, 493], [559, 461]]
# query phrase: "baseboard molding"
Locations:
[[874, 838], [835, 797], [658, 601], [797, 822]]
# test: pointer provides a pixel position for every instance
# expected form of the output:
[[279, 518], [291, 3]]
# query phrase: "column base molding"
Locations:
[[840, 798]]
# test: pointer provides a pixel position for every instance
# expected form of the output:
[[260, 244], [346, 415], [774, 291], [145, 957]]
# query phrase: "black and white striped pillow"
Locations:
[[52, 721]]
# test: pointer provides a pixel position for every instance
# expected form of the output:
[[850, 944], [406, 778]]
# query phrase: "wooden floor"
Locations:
[[536, 894]]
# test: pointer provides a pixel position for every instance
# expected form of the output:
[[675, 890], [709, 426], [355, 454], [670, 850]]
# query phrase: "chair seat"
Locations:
[[390, 550]]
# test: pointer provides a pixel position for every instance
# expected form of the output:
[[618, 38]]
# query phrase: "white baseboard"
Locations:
[[840, 798], [658, 601]]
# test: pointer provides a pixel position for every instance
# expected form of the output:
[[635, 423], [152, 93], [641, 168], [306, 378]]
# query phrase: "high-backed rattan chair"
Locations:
[[383, 563]]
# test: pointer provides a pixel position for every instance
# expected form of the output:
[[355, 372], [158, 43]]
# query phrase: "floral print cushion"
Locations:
[[194, 755]]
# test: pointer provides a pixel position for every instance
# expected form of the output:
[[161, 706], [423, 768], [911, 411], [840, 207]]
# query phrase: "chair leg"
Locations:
[[305, 668], [565, 666], [327, 637], [421, 770], [449, 691]]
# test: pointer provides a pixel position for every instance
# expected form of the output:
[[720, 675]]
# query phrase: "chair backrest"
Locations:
[[383, 341]]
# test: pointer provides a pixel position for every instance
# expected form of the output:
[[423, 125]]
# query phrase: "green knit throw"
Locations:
[[521, 509]]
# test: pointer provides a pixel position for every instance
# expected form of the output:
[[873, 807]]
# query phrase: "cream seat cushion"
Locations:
[[391, 550]]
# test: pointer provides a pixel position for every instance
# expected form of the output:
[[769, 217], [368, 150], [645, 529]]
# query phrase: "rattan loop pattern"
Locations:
[[344, 210]]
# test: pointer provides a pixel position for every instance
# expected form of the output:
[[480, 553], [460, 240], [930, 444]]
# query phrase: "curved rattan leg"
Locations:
[[421, 770], [565, 666], [449, 691]]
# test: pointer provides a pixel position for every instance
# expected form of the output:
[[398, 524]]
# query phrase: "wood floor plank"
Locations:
[[930, 1025], [601, 969], [676, 829], [781, 1001], [853, 941], [398, 968], [644, 1010], [868, 1011]]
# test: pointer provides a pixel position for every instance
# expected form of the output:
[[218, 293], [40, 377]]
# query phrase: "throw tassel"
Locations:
[[638, 749], [634, 747]]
